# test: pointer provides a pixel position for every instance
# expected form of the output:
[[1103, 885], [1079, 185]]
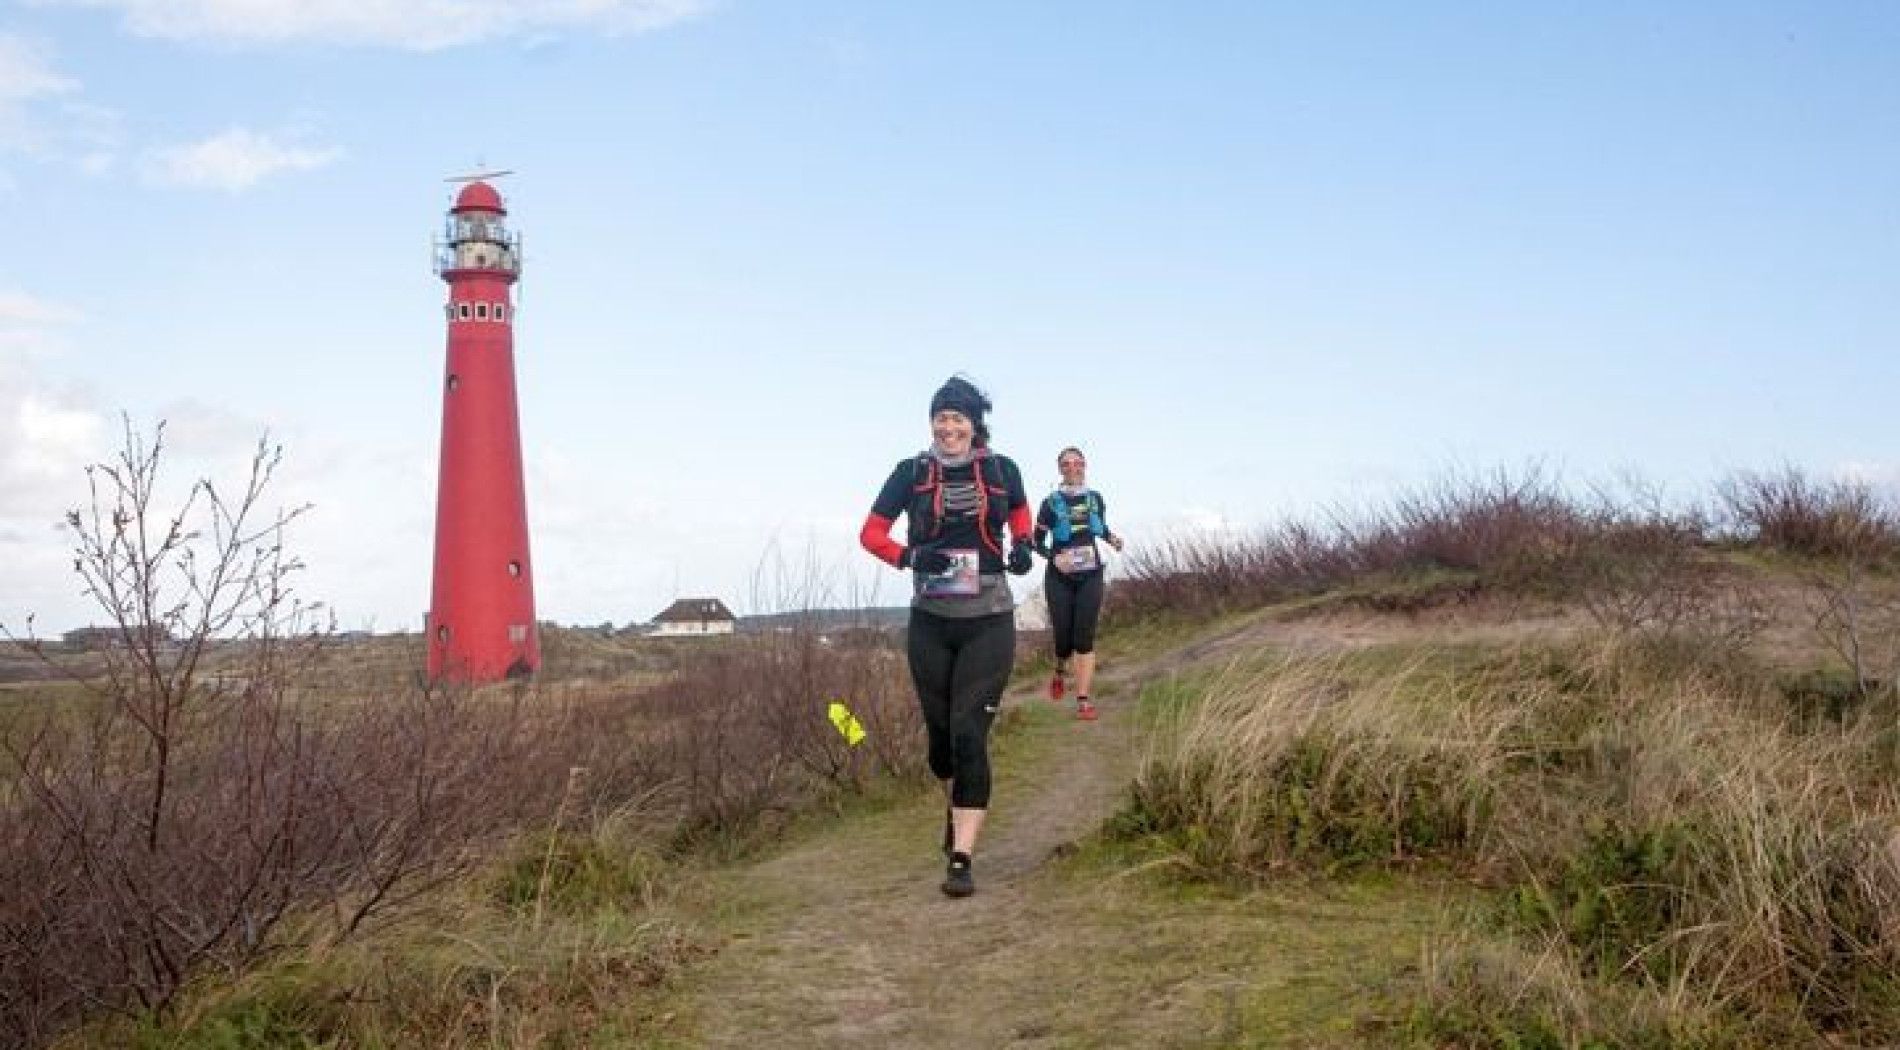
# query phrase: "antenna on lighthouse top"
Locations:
[[480, 176]]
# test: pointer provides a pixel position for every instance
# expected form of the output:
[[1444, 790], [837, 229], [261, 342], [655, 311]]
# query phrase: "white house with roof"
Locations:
[[694, 618]]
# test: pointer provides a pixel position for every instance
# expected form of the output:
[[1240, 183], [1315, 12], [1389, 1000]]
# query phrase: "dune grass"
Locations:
[[1655, 819]]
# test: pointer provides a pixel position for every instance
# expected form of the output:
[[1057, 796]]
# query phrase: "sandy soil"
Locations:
[[845, 940]]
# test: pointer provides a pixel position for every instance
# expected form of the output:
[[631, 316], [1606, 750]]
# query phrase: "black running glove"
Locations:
[[928, 560], [1019, 561]]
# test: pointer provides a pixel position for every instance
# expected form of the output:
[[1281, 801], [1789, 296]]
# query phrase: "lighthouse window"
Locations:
[[514, 568], [501, 312], [517, 633], [449, 311], [442, 634], [461, 311], [481, 311], [454, 381]]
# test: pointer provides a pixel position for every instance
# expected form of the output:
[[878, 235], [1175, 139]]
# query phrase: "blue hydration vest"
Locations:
[[1059, 509]]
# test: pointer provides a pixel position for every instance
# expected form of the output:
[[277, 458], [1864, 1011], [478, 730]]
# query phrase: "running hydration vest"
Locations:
[[926, 499], [1059, 510]]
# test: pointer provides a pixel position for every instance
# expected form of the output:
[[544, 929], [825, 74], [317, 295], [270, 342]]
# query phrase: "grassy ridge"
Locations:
[[1680, 842], [1654, 819]]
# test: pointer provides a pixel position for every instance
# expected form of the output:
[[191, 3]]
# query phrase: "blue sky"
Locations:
[[1255, 258]]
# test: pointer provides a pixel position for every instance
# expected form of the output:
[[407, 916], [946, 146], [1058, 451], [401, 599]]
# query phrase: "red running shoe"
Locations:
[[1055, 686], [1085, 710]]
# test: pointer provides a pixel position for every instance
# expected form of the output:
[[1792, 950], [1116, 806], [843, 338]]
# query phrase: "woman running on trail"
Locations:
[[959, 497], [1074, 517]]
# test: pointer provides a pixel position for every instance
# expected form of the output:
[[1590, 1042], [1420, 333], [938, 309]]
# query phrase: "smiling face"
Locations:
[[952, 431], [1074, 468]]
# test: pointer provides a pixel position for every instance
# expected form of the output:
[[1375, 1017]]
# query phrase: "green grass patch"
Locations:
[[1495, 993], [1293, 960], [479, 968], [1167, 698], [1648, 806], [1620, 895], [574, 874]]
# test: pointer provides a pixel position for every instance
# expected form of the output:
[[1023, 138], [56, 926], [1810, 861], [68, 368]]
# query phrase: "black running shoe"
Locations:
[[957, 881]]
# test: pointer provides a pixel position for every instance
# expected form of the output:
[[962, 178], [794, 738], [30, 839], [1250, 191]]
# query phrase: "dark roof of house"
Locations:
[[695, 610]]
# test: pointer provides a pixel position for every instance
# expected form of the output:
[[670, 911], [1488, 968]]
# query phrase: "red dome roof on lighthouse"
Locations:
[[479, 196]]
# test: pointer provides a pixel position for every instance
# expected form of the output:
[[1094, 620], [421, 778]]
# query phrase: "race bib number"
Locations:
[[1081, 559], [962, 580]]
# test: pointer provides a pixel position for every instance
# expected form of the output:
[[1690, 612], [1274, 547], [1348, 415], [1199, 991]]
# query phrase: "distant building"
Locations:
[[876, 618], [109, 637], [694, 617]]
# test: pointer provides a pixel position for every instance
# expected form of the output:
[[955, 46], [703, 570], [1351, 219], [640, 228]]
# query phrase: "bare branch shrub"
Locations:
[[1847, 537], [1856, 614], [1501, 523], [124, 881], [1502, 529], [1791, 512], [1639, 566], [743, 732], [225, 793], [1636, 564], [818, 656]]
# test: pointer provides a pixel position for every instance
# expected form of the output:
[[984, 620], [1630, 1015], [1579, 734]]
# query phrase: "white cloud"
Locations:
[[198, 429], [1872, 473], [1204, 520], [91, 135], [45, 430], [48, 433], [23, 312], [41, 115], [27, 81], [25, 74], [413, 24], [234, 160], [365, 541], [48, 437]]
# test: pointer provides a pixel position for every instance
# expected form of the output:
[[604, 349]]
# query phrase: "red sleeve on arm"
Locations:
[[876, 538], [1019, 521]]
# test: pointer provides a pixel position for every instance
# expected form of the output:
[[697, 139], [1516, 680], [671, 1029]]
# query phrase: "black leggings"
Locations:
[[960, 667], [1075, 603]]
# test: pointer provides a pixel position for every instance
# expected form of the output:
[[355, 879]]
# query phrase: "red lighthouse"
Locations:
[[481, 615]]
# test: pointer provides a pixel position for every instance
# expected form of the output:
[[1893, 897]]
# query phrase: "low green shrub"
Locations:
[[575, 873]]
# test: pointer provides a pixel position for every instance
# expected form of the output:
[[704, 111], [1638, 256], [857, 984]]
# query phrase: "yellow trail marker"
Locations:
[[846, 722]]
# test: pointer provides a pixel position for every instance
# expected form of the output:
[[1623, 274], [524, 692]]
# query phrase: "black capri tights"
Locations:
[[960, 667], [1075, 603]]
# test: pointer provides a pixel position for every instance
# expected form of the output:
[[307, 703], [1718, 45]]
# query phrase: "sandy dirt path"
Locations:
[[843, 939]]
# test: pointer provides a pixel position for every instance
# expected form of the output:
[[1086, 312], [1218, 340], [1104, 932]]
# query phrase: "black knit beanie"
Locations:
[[960, 395]]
